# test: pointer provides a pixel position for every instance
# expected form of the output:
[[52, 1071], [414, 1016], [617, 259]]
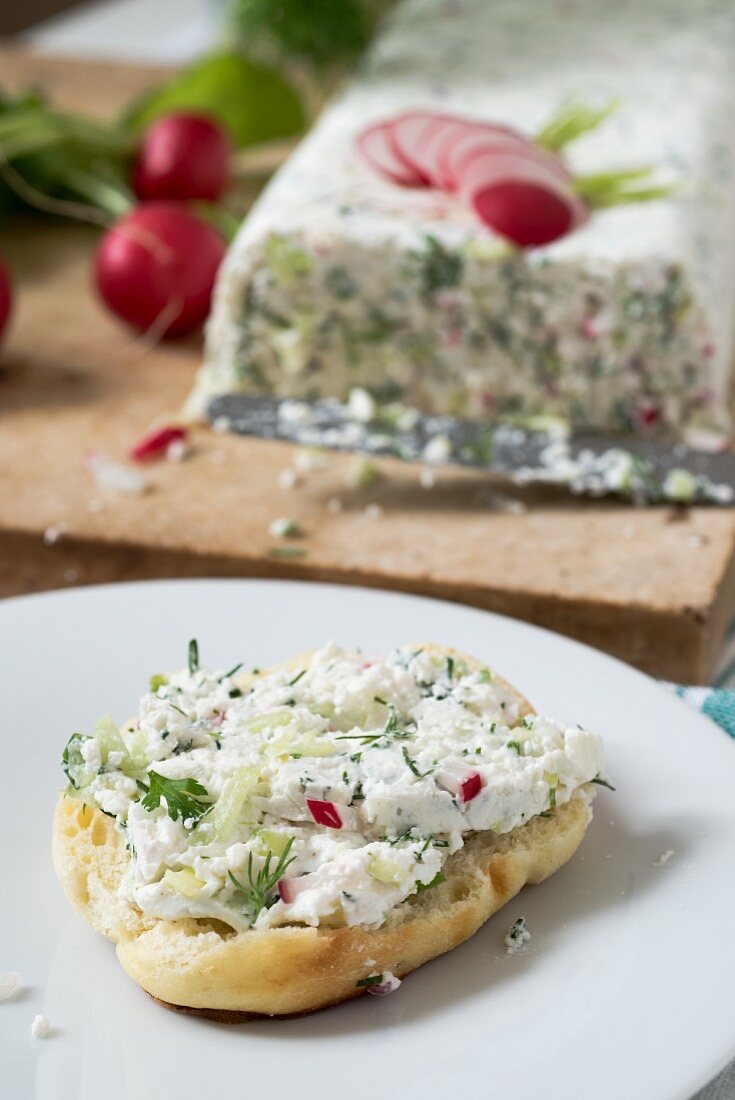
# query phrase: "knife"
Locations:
[[643, 471]]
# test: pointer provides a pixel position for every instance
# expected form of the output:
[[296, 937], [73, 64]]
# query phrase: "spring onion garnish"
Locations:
[[193, 656], [602, 783]]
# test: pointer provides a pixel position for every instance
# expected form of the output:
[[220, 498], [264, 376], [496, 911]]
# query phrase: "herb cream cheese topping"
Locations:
[[327, 792]]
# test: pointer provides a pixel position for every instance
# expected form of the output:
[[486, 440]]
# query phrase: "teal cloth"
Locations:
[[717, 703]]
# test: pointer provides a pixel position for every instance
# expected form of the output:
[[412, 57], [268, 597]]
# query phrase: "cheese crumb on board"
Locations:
[[40, 1027]]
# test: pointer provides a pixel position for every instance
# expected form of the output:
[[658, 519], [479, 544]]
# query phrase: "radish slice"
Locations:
[[157, 442], [466, 149], [375, 146], [520, 200], [464, 783], [324, 813], [389, 984], [409, 134], [452, 143]]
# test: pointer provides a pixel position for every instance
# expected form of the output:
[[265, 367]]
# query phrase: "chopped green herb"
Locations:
[[288, 551], [193, 656], [412, 764], [552, 798], [421, 886], [235, 693], [174, 707], [374, 979], [450, 668], [603, 783], [297, 677], [259, 893], [231, 672], [157, 681], [377, 699], [183, 796], [515, 745], [72, 760]]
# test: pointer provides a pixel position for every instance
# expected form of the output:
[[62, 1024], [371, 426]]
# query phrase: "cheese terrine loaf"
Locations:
[[275, 842], [339, 278]]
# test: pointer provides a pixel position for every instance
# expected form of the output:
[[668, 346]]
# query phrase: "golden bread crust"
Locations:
[[202, 966]]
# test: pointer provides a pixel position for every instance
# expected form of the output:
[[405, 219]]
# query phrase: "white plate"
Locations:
[[626, 990]]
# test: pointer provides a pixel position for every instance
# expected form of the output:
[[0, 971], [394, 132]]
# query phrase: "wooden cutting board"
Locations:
[[656, 586]]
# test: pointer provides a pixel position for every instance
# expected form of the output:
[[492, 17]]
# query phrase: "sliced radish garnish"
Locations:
[[463, 139], [464, 783], [157, 442], [324, 813], [471, 146], [409, 134], [520, 200], [375, 146]]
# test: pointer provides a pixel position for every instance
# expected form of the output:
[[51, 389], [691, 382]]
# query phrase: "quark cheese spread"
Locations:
[[325, 792]]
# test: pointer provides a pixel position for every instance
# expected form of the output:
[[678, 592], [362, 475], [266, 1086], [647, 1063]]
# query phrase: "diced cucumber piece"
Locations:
[[184, 882]]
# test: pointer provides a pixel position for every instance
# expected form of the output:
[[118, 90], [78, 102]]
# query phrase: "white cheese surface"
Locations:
[[626, 319], [363, 775]]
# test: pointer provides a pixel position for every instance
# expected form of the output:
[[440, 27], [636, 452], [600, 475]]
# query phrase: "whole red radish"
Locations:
[[182, 157], [6, 298], [156, 267]]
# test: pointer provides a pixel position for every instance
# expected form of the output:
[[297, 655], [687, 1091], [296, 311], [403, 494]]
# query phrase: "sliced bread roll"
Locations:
[[205, 966]]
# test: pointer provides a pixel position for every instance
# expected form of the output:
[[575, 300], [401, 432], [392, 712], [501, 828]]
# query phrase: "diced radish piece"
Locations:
[[375, 147], [389, 984], [520, 200], [290, 888], [464, 783], [324, 813], [156, 443]]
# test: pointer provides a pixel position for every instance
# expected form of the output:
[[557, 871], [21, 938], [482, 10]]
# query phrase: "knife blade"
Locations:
[[641, 470]]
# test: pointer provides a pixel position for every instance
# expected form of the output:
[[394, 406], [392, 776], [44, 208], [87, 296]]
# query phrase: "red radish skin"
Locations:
[[469, 148], [324, 813], [182, 157], [6, 299], [155, 444], [155, 268], [464, 785], [408, 135], [461, 136], [374, 144], [520, 200]]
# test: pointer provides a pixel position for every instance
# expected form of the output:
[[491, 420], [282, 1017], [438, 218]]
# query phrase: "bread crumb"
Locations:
[[334, 506], [177, 450], [437, 450], [40, 1028], [114, 476], [427, 478], [308, 458], [517, 936], [361, 405], [9, 983], [373, 511], [221, 424], [54, 532], [663, 859], [288, 478], [284, 528]]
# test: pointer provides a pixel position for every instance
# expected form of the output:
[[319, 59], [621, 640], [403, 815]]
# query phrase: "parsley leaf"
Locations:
[[183, 797]]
